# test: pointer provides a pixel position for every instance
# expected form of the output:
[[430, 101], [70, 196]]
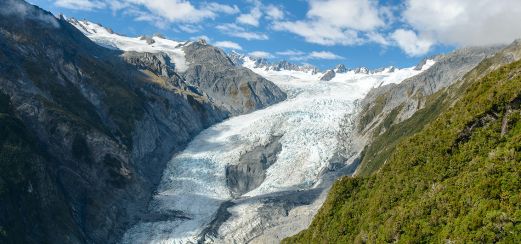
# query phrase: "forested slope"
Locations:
[[457, 179]]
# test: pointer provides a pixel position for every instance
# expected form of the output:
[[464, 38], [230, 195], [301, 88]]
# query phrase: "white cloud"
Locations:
[[80, 4], [175, 10], [228, 44], [238, 31], [290, 53], [250, 35], [324, 55], [190, 28], [20, 9], [157, 11], [377, 38], [252, 18], [335, 22], [274, 13], [408, 41], [116, 5], [320, 33], [465, 22], [201, 37], [302, 56], [260, 54], [139, 15], [353, 14], [227, 9], [258, 10]]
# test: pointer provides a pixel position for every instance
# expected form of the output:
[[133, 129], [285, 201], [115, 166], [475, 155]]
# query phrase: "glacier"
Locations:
[[194, 186]]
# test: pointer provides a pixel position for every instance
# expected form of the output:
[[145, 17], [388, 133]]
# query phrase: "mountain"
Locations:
[[262, 63], [387, 105], [87, 130], [232, 88], [451, 170]]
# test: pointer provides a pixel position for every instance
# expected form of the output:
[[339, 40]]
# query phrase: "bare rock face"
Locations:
[[251, 170], [148, 39], [361, 70], [329, 75], [158, 63], [340, 69], [285, 65], [91, 129], [235, 89]]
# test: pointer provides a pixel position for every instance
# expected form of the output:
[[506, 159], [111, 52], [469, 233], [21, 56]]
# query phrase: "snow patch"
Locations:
[[106, 38]]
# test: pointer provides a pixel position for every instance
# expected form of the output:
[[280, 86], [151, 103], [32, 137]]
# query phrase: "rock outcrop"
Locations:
[[232, 88], [329, 75], [341, 69], [251, 170]]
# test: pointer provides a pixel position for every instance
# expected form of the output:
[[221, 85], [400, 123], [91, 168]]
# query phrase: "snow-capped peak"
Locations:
[[340, 69], [262, 63], [106, 37]]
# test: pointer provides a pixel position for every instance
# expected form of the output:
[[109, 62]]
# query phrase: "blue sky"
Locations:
[[320, 32]]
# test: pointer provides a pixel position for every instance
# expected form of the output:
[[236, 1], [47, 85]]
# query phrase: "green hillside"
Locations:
[[456, 179]]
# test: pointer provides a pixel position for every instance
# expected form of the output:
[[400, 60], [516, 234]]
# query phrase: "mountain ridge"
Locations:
[[103, 125], [240, 59]]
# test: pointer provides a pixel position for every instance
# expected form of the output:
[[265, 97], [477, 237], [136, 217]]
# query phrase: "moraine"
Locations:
[[262, 176]]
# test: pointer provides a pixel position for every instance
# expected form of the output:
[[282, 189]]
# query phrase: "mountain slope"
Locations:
[[88, 130], [457, 180], [22, 165], [236, 89], [230, 87], [392, 104]]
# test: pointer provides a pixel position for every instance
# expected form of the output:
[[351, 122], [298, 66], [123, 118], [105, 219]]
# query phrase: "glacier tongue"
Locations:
[[194, 184]]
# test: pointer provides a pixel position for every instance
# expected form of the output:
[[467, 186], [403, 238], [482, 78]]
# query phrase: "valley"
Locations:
[[285, 158], [258, 121]]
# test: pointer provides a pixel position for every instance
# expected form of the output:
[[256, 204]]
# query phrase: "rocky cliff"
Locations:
[[89, 129], [235, 89]]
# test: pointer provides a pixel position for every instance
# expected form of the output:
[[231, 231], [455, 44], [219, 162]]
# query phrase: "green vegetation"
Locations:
[[455, 178], [369, 112], [382, 146]]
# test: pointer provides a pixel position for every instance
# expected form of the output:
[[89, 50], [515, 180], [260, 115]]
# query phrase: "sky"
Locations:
[[370, 33]]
